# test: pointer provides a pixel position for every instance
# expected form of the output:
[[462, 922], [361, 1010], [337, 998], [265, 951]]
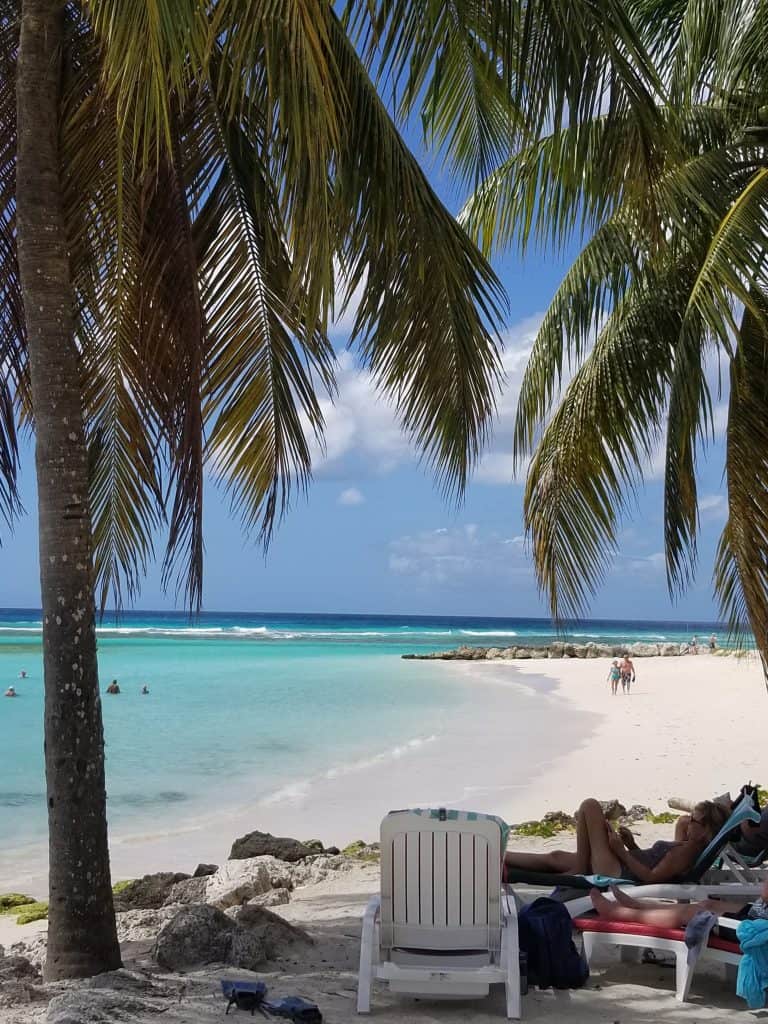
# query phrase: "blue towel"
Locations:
[[697, 933], [753, 969]]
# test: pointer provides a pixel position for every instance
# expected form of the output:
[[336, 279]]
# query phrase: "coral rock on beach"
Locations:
[[149, 892], [260, 844], [203, 935], [205, 869]]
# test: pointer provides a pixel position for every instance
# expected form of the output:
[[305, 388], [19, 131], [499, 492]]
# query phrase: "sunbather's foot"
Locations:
[[623, 899], [600, 903]]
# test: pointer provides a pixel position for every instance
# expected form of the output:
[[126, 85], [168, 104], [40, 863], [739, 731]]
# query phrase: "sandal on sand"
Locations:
[[245, 995], [650, 957]]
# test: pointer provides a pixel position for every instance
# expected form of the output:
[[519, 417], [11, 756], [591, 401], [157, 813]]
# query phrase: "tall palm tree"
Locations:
[[176, 194], [672, 197]]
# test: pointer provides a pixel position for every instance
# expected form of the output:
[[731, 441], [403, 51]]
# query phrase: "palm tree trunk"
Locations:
[[82, 938]]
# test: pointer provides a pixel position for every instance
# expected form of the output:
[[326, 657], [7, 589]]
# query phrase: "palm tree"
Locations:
[[176, 196], [671, 197]]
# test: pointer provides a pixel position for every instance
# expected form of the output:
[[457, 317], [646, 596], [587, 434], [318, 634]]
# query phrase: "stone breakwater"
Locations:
[[556, 650]]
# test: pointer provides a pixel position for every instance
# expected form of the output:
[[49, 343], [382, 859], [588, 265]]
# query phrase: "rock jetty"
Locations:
[[555, 650]]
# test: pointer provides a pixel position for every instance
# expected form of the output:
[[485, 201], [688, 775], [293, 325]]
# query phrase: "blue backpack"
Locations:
[[546, 937]]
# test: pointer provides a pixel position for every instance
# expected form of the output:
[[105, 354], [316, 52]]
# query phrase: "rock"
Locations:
[[569, 650], [33, 948], [142, 925], [560, 818], [121, 979], [149, 892], [669, 650], [205, 869], [644, 650], [605, 651], [15, 968], [276, 936], [314, 845], [188, 890], [556, 650], [204, 935], [333, 851], [273, 898], [522, 653], [591, 651], [612, 809], [509, 652], [260, 844], [97, 1006], [238, 881], [493, 652], [638, 813]]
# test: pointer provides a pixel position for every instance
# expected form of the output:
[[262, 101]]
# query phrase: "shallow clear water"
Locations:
[[247, 701]]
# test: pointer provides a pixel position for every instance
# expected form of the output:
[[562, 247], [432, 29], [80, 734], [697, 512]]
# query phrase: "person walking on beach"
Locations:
[[712, 644], [627, 670], [614, 675], [694, 645]]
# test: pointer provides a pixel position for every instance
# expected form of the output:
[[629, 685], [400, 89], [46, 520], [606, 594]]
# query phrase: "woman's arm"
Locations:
[[674, 863]]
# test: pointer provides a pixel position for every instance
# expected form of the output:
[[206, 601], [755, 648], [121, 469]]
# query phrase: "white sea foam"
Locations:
[[299, 790], [488, 632]]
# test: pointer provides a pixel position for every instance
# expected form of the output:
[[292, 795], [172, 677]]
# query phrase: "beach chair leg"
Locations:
[[683, 976], [365, 973], [510, 959], [731, 974], [588, 946]]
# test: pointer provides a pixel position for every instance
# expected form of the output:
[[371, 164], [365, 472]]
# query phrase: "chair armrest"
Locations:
[[373, 909]]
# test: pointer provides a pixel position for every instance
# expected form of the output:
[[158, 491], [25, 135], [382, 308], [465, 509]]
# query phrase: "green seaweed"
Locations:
[[32, 912], [9, 901], [359, 849], [119, 887], [762, 796], [665, 818], [541, 829]]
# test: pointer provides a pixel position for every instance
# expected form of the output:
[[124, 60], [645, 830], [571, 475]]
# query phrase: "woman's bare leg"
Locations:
[[673, 915], [602, 859], [561, 862]]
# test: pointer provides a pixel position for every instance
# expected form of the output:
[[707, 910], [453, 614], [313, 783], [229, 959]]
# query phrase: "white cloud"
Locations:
[[713, 507], [461, 553], [649, 567], [351, 496]]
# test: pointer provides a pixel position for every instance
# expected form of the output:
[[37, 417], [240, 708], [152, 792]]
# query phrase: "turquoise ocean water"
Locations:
[[255, 701]]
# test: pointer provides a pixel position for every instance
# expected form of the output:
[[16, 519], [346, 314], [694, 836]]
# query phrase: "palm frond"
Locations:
[[597, 282], [265, 358], [741, 567], [594, 450], [429, 302]]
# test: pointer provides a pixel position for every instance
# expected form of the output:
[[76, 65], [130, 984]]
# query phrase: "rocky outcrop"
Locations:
[[142, 925], [557, 649], [149, 892], [205, 869], [100, 1006], [205, 935], [189, 890], [262, 844]]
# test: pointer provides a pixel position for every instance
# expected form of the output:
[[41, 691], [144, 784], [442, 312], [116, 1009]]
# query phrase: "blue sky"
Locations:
[[374, 535]]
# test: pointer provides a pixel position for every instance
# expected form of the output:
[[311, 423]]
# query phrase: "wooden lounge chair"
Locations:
[[443, 925]]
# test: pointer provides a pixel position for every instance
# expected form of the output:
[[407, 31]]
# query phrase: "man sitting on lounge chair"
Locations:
[[600, 850], [754, 837]]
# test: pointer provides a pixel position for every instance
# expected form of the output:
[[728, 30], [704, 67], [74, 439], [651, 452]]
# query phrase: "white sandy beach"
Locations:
[[534, 736], [688, 728]]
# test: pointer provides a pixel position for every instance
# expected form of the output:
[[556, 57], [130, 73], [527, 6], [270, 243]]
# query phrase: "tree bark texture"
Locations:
[[82, 938]]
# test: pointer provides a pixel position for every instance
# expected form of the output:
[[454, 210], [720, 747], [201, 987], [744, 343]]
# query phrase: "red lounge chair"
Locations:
[[598, 932]]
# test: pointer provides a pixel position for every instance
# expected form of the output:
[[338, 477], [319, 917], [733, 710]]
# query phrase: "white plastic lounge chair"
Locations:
[[443, 926]]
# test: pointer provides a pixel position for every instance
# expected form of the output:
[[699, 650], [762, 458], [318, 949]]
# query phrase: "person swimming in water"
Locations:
[[113, 687], [145, 689], [10, 692]]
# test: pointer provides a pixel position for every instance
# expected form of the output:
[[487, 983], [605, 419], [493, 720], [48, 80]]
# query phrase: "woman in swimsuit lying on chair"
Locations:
[[601, 851], [675, 915]]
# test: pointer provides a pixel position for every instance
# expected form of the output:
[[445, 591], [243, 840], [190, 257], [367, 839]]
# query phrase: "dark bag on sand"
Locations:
[[296, 1009], [245, 995], [546, 937]]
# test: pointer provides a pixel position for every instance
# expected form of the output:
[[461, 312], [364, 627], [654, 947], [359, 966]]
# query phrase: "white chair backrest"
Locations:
[[440, 883]]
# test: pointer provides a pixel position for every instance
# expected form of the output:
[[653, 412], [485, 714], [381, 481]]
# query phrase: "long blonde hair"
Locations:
[[714, 816]]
